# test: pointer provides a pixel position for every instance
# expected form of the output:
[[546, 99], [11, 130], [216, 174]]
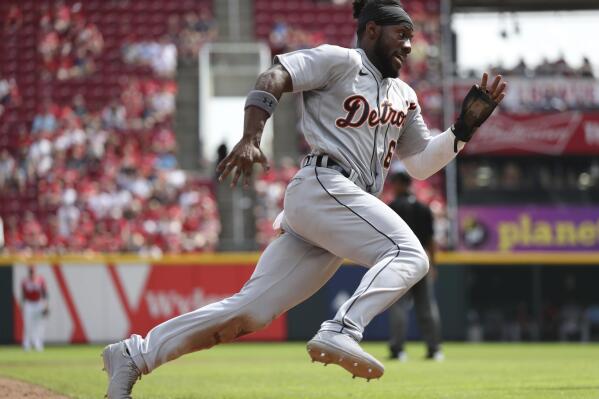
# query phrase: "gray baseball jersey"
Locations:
[[351, 113]]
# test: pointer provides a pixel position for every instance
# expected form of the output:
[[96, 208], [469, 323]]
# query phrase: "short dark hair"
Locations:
[[360, 4]]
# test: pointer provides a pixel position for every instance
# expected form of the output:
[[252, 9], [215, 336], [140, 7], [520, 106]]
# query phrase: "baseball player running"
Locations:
[[356, 113]]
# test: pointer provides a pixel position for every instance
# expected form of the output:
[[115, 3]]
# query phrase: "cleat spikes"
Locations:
[[322, 354], [355, 364], [369, 370]]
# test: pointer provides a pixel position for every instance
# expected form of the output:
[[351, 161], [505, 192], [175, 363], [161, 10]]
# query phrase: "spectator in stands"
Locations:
[[586, 70], [68, 214], [113, 116], [78, 106], [284, 38], [45, 120], [33, 234], [78, 159], [14, 19], [7, 168], [39, 156], [196, 31], [278, 37], [62, 17], [161, 56], [9, 94], [521, 69], [165, 64]]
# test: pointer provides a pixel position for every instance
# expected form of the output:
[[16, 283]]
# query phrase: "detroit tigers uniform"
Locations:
[[354, 120]]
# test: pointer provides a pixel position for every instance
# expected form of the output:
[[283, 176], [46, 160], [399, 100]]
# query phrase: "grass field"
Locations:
[[481, 371]]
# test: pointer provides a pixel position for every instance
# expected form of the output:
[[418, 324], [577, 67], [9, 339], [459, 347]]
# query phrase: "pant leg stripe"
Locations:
[[371, 225]]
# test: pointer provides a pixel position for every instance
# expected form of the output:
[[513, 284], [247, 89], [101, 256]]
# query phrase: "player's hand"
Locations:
[[497, 89], [241, 160], [478, 105]]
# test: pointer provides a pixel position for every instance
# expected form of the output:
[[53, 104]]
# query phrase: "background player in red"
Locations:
[[35, 310]]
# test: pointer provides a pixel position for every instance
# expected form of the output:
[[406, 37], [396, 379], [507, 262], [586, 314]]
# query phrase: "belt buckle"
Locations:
[[307, 160]]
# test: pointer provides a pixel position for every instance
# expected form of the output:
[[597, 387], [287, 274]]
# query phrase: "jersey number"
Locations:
[[387, 162]]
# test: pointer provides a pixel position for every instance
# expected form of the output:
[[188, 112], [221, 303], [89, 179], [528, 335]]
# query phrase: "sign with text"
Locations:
[[542, 94], [548, 134], [513, 229], [105, 302]]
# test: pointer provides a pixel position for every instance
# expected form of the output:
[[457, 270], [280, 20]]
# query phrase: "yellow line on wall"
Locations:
[[474, 258], [517, 258]]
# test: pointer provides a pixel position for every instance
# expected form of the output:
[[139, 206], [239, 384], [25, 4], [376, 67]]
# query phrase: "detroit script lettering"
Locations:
[[359, 111]]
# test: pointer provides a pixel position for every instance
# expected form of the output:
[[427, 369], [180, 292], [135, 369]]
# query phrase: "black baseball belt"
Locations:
[[325, 161]]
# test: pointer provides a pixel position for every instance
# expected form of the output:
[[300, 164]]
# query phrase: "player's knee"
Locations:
[[421, 264]]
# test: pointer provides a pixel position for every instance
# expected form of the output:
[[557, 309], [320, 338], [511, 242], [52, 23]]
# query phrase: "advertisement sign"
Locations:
[[548, 134], [108, 302], [513, 229]]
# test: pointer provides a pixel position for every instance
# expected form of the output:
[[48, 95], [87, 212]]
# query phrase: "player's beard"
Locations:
[[384, 60]]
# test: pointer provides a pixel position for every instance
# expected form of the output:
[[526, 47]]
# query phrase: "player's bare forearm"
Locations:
[[246, 152], [276, 81]]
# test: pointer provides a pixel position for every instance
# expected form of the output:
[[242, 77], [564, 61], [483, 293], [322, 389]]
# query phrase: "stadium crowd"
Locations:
[[185, 36], [285, 38], [101, 187], [69, 43], [80, 179], [547, 68]]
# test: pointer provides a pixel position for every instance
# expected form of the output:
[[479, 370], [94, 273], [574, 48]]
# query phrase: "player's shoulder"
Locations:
[[343, 53]]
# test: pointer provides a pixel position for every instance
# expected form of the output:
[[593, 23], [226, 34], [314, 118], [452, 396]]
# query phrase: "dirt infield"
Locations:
[[19, 389]]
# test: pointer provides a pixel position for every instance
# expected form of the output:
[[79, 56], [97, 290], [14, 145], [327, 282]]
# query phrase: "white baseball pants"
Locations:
[[327, 218], [33, 325]]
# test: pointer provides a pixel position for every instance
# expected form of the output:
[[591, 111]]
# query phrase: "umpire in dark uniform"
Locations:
[[420, 219]]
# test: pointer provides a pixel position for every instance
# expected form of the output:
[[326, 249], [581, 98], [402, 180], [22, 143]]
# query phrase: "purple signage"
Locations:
[[533, 228]]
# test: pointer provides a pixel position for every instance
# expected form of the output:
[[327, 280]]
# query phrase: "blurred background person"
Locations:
[[419, 218], [35, 310]]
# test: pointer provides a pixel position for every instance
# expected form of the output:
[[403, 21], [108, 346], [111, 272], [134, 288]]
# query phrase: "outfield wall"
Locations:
[[107, 298]]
